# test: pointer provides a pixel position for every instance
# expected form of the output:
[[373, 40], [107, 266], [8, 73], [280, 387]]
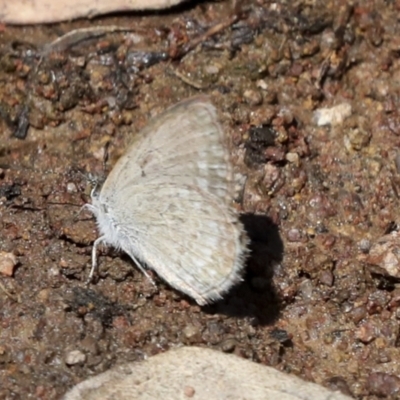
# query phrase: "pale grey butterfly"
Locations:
[[167, 203]]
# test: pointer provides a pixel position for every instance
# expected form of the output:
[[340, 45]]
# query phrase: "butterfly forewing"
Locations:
[[185, 144]]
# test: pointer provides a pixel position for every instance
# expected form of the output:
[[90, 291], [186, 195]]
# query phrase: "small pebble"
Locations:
[[367, 332], [75, 357], [357, 138], [212, 69], [294, 235], [191, 332], [292, 158], [228, 345], [261, 84], [189, 391], [253, 97], [332, 116], [383, 384], [8, 261], [364, 245], [71, 188]]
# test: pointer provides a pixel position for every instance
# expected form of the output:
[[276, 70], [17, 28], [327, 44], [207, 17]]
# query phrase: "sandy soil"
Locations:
[[320, 297]]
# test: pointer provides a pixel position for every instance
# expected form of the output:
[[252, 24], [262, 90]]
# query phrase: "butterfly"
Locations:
[[167, 203]]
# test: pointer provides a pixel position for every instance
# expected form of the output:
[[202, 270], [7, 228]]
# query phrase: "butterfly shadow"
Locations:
[[256, 297]]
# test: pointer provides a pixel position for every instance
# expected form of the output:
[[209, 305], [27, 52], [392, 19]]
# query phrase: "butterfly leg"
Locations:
[[101, 240], [98, 241], [142, 269], [86, 206]]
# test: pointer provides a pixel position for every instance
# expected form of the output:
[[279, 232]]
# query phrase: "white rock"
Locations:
[[75, 357], [332, 116], [199, 373]]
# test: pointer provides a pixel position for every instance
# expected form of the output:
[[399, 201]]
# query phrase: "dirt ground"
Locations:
[[320, 298]]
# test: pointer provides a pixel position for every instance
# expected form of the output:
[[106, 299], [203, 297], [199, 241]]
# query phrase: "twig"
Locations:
[[76, 36], [209, 33], [11, 296], [186, 80]]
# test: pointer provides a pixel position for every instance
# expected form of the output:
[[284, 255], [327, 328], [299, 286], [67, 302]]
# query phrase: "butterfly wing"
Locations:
[[187, 236], [185, 144], [167, 202]]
